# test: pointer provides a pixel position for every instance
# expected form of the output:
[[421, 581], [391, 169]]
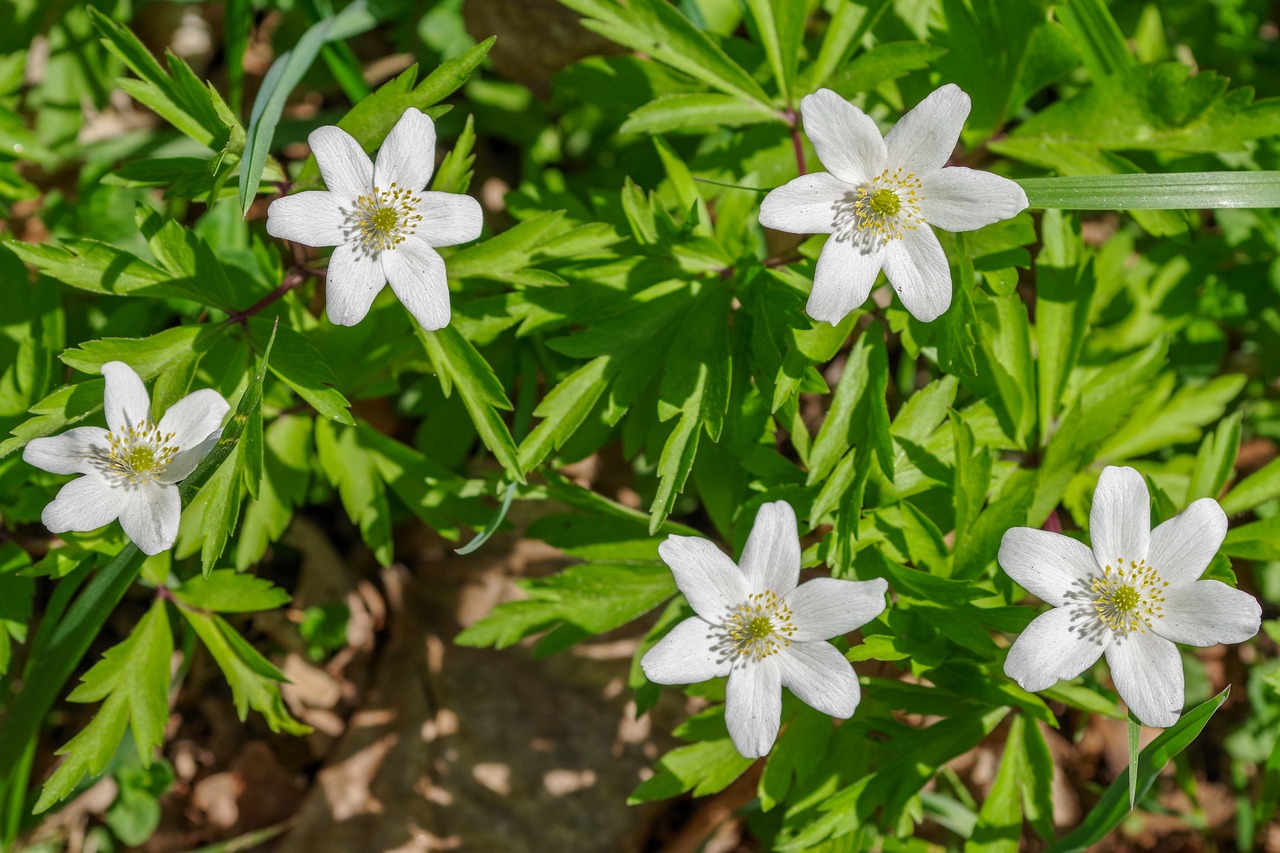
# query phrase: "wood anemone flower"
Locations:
[[761, 629], [384, 223], [879, 197], [1132, 595], [132, 468]]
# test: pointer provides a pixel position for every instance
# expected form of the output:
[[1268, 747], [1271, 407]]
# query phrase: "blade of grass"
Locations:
[[1167, 191]]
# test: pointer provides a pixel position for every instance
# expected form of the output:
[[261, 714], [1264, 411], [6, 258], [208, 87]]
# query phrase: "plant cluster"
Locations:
[[675, 285]]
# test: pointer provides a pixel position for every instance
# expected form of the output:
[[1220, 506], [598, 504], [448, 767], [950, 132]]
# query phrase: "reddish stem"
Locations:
[[796, 142], [291, 280]]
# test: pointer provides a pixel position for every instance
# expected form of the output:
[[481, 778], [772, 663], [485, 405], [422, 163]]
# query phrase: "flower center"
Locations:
[[882, 209], [1128, 597], [139, 454], [384, 218], [761, 626]]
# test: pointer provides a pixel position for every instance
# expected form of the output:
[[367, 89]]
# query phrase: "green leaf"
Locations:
[[999, 826], [1257, 541], [280, 80], [1259, 487], [656, 28], [1153, 107], [990, 44], [370, 120], [1163, 420], [349, 467], [255, 683], [705, 768], [1103, 46], [695, 391], [177, 96], [845, 32], [132, 682], [858, 409], [1113, 808], [147, 356], [882, 63], [779, 26], [461, 367], [101, 268], [454, 174], [227, 591], [1155, 191], [695, 112], [1064, 293], [296, 362], [594, 597], [1216, 460]]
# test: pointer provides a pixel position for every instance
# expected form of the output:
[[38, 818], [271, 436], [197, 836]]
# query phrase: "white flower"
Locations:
[[129, 472], [760, 629], [385, 227], [879, 199], [1132, 596]]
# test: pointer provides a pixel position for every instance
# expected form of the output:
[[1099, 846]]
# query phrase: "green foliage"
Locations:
[[132, 682], [626, 309]]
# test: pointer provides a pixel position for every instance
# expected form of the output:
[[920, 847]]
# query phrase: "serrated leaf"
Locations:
[[147, 356], [695, 390], [227, 591], [461, 368], [255, 683], [349, 467], [296, 362], [691, 113], [101, 268], [595, 597], [132, 682], [656, 28]]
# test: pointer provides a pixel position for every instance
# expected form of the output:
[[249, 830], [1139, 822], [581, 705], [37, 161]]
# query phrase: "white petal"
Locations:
[[312, 218], [185, 461], [1147, 671], [1055, 647], [821, 678], [771, 557], [917, 269], [924, 138], [753, 706], [805, 205], [73, 452], [827, 607], [354, 279], [687, 655], [449, 219], [961, 199], [150, 517], [85, 503], [416, 273], [408, 155], [194, 417], [842, 280], [847, 141], [1046, 564], [712, 583], [125, 400], [1205, 613], [1182, 547], [346, 169], [1120, 519]]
